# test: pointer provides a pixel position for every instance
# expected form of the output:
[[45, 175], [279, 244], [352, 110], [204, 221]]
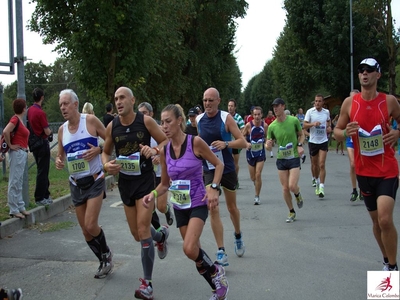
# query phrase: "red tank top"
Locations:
[[368, 114]]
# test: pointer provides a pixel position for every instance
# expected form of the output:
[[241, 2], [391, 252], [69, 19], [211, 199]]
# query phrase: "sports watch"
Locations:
[[299, 145], [215, 186]]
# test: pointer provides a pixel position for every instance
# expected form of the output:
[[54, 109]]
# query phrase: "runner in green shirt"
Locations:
[[289, 136]]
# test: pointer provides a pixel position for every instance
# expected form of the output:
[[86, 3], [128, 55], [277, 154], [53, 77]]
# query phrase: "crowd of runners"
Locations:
[[193, 161]]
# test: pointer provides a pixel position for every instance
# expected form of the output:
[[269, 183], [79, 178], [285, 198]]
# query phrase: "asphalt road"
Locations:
[[324, 254]]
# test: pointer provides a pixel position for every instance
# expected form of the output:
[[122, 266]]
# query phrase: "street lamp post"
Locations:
[[351, 47]]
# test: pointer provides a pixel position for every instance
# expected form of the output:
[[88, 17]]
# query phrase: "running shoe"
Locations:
[[299, 200], [214, 296], [394, 269], [240, 248], [354, 196], [321, 193], [314, 183], [361, 196], [256, 200], [14, 294], [220, 282], [291, 217], [106, 266], [385, 267], [222, 258], [162, 247], [145, 291], [317, 189], [169, 216]]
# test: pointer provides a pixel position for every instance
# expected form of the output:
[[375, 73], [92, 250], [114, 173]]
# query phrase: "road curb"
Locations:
[[41, 213]]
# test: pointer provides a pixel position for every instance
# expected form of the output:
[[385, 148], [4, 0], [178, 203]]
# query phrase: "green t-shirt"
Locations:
[[285, 134]]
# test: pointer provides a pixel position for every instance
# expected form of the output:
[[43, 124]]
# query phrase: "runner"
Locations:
[[365, 117], [216, 128], [78, 145], [240, 123], [269, 119], [130, 134], [288, 134], [255, 132], [350, 151], [318, 120], [181, 162], [162, 202]]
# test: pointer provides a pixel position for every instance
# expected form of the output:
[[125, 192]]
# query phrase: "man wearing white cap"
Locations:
[[365, 117]]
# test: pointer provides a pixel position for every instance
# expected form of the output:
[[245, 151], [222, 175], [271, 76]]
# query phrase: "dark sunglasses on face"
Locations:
[[369, 69]]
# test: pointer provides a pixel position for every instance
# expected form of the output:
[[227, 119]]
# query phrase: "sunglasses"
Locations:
[[369, 69]]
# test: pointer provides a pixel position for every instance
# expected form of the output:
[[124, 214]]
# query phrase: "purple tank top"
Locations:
[[187, 167]]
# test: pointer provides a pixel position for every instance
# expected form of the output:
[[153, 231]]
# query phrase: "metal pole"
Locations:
[[21, 83], [351, 47], [2, 124]]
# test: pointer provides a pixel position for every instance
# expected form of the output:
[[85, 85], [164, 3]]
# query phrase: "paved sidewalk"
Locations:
[[324, 254]]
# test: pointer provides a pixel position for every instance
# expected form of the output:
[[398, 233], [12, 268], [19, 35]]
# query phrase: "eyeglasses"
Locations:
[[369, 69]]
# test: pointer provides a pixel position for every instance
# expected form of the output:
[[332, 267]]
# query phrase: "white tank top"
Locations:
[[75, 145]]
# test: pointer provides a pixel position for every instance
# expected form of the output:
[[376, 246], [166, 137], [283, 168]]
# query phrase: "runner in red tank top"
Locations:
[[365, 117]]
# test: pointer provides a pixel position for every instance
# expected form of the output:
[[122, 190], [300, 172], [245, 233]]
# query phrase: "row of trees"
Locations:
[[312, 54], [170, 51]]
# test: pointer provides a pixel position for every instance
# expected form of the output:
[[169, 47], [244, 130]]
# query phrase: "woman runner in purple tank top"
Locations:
[[181, 164]]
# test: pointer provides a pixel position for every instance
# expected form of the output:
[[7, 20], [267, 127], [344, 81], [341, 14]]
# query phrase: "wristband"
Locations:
[[104, 167], [155, 193], [157, 151], [344, 133]]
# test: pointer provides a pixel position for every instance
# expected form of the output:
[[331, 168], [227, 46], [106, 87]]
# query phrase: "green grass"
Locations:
[[50, 227], [58, 186]]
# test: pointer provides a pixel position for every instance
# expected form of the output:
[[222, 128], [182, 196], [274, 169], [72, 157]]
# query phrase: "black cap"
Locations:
[[278, 101], [192, 112]]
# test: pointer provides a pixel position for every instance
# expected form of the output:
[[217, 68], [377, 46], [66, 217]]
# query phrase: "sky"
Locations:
[[256, 36]]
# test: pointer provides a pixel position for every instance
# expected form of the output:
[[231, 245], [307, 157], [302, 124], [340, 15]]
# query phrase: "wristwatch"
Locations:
[[226, 144], [299, 145], [215, 186]]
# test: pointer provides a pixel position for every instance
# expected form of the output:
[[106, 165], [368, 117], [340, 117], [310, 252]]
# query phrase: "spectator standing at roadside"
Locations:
[[78, 146], [39, 139], [365, 117], [108, 117], [18, 153]]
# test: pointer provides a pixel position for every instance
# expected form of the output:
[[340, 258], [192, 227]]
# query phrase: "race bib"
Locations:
[[180, 193], [286, 152], [218, 153], [371, 143], [77, 165], [257, 146], [130, 165], [320, 130]]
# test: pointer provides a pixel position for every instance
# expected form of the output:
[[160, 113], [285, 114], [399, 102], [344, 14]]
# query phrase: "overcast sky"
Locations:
[[256, 36]]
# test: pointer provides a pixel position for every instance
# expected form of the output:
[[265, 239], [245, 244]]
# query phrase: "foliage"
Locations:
[[161, 49]]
